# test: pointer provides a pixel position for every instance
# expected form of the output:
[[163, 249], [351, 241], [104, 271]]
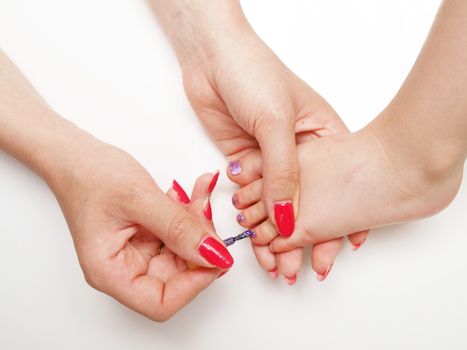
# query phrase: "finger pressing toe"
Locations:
[[246, 169], [323, 256], [247, 195], [204, 186]]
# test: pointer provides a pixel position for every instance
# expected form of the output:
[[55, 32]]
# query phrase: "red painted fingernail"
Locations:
[[207, 210], [321, 277], [216, 253], [291, 280], [357, 246], [274, 273], [213, 182], [285, 219], [223, 273], [181, 194]]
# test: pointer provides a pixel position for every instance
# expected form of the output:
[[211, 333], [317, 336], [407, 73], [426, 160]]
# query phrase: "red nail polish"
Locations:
[[182, 196], [216, 253], [213, 182], [285, 219], [207, 210], [223, 273], [357, 246], [321, 277]]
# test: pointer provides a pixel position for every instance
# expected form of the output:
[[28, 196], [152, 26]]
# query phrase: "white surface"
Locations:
[[107, 66]]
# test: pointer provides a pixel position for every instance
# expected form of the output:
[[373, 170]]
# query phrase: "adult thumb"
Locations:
[[182, 233], [276, 139]]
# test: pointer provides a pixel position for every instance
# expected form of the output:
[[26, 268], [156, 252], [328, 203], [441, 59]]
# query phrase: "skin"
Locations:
[[406, 164], [118, 217], [247, 99]]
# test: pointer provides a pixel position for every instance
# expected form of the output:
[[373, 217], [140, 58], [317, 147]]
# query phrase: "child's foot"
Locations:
[[357, 181]]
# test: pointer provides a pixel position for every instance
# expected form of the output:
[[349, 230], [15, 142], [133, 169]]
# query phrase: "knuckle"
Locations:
[[286, 180], [180, 227]]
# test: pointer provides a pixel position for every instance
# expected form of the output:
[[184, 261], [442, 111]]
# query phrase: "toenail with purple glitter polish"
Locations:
[[235, 200], [235, 168], [240, 218]]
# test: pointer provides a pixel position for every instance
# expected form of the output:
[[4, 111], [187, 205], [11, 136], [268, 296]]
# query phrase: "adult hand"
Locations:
[[118, 217], [121, 222], [248, 100]]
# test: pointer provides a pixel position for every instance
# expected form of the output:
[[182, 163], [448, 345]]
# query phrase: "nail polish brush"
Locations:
[[243, 235]]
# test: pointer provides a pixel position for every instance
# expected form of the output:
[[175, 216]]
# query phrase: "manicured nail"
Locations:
[[207, 210], [357, 246], [216, 253], [235, 200], [181, 194], [213, 182], [223, 273], [291, 280], [285, 219], [235, 168], [240, 218], [274, 273], [321, 277]]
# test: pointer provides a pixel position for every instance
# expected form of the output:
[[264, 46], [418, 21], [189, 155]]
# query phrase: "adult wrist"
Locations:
[[200, 29]]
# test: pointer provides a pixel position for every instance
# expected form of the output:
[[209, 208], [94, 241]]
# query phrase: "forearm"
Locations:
[[199, 29], [32, 132], [430, 111]]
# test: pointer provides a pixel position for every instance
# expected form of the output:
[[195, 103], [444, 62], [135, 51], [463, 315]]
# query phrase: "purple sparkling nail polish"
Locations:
[[235, 168], [235, 200], [240, 218], [243, 235]]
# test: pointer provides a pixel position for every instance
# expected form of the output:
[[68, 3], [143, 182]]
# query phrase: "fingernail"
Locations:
[[216, 253], [240, 218], [207, 210], [274, 273], [285, 219], [181, 194], [357, 246], [213, 182], [291, 280], [321, 277], [235, 168], [223, 273], [235, 200]]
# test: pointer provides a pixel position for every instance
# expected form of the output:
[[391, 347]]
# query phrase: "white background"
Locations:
[[107, 66]]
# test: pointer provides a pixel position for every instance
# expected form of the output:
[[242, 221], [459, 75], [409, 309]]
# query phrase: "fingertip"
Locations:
[[180, 192], [202, 186], [213, 182]]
